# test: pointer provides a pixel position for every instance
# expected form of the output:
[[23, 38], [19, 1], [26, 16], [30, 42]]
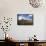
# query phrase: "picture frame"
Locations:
[[24, 19]]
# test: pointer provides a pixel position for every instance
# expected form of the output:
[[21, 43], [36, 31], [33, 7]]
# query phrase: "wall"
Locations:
[[10, 8]]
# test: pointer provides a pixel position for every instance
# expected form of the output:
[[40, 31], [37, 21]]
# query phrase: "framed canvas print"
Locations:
[[24, 19]]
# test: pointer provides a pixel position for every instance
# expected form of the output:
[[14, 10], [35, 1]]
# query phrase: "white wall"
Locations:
[[10, 8]]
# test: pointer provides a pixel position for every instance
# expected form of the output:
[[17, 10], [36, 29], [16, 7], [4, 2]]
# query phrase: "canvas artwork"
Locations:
[[25, 19]]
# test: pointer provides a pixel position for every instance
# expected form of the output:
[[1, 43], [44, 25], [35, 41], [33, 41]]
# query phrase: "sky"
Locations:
[[25, 16]]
